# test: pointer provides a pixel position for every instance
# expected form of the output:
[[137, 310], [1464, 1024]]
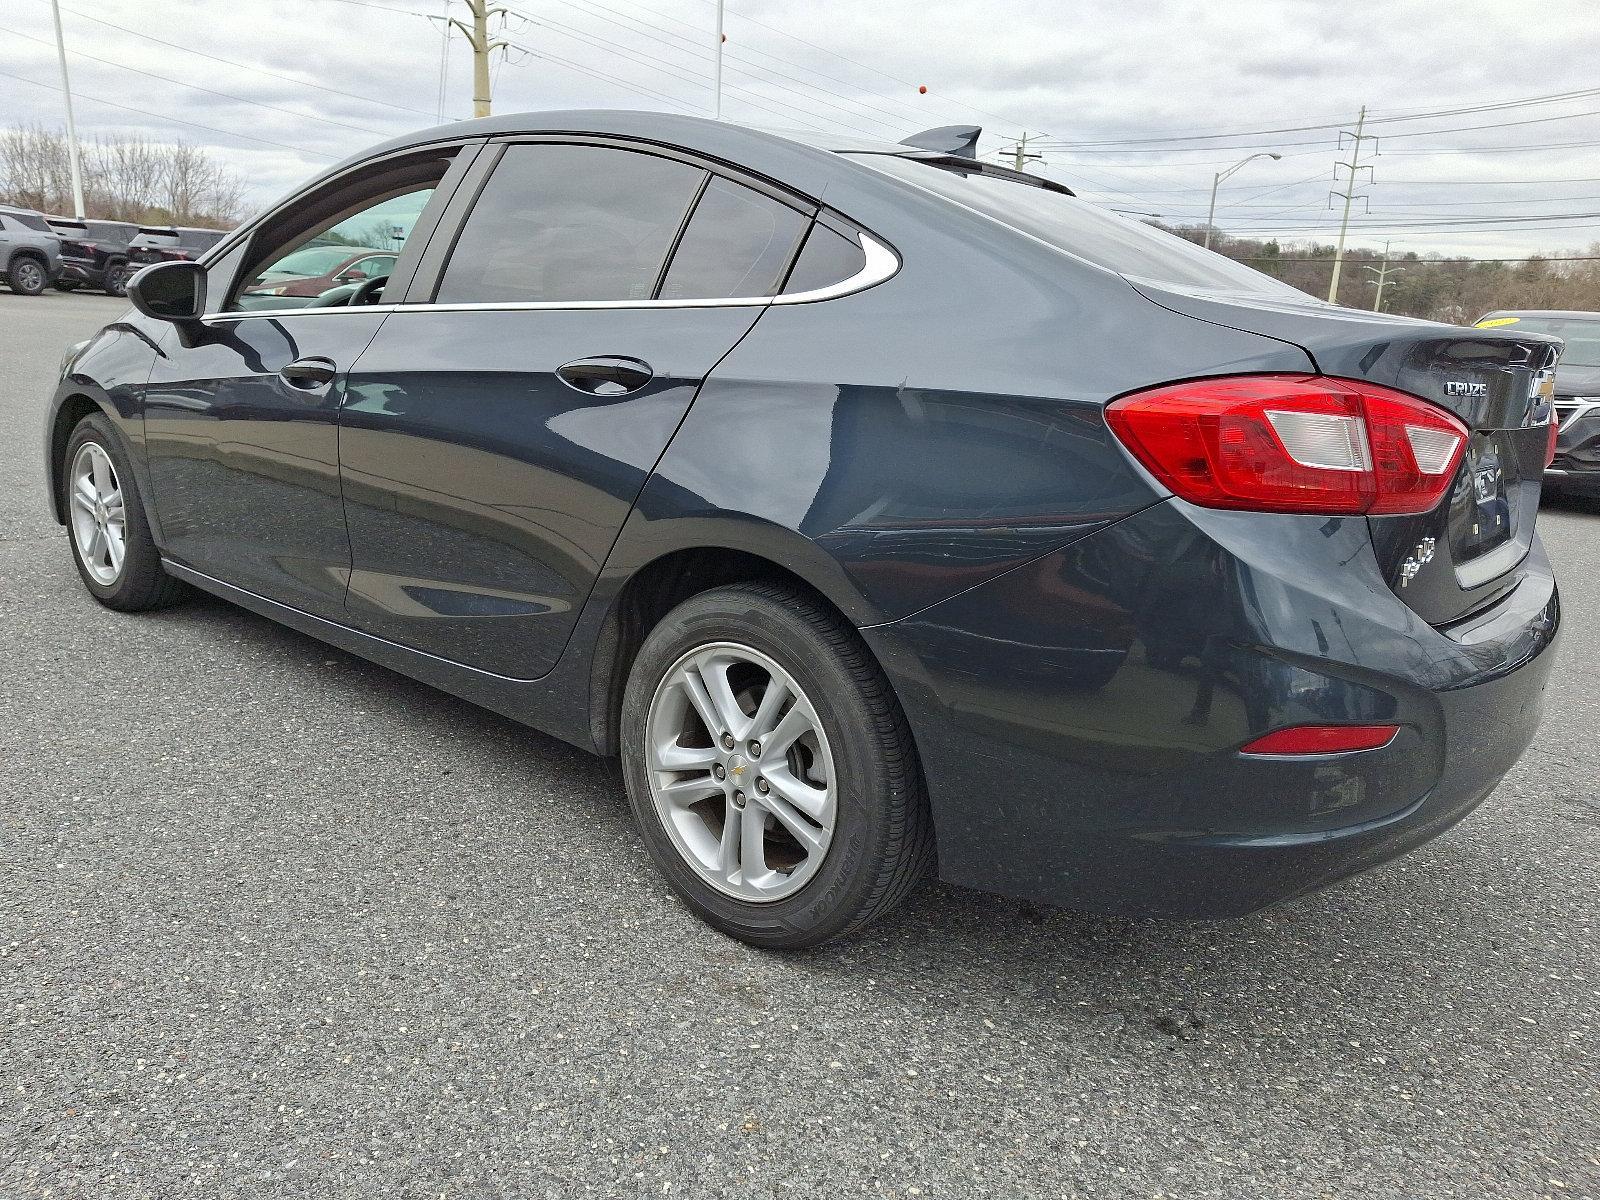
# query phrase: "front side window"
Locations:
[[738, 243], [559, 223], [375, 215]]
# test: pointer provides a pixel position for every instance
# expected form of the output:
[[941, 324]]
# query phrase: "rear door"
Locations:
[[497, 430]]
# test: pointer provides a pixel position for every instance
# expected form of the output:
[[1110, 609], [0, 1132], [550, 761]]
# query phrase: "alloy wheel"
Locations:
[[740, 772], [29, 276], [99, 518]]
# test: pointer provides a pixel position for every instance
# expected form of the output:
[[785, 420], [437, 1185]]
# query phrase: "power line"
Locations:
[[173, 120], [195, 86], [246, 66]]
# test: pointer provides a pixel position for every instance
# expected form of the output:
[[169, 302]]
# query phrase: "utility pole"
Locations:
[[477, 35], [1020, 158], [720, 39], [72, 126], [1382, 274], [1349, 193]]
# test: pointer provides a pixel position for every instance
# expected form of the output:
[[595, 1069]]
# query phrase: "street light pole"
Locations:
[[1216, 182], [72, 126], [720, 40]]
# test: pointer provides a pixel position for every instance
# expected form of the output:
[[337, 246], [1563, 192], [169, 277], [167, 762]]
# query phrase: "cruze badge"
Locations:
[[1461, 387], [1420, 557]]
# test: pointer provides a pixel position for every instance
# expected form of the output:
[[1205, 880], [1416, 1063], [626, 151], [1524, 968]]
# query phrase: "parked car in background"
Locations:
[[313, 270], [1575, 469], [762, 463], [167, 243], [94, 254], [30, 251]]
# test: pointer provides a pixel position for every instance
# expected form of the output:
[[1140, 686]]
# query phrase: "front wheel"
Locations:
[[26, 276], [116, 557], [770, 768]]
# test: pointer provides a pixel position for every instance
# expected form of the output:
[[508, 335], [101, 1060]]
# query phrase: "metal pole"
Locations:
[[719, 60], [1383, 277], [444, 59], [72, 125], [1349, 195], [1211, 215]]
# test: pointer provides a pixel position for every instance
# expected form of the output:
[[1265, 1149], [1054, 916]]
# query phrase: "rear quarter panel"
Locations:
[[907, 442]]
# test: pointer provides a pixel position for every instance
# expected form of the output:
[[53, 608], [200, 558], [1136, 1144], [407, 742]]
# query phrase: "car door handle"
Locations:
[[308, 374], [608, 376]]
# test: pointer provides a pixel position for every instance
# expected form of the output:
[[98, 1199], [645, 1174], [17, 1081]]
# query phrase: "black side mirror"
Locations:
[[170, 291]]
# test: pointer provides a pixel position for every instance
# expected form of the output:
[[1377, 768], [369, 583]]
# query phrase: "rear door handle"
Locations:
[[309, 374], [606, 375]]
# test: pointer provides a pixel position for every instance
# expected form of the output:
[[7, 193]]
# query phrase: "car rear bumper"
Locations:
[[82, 272], [1079, 719]]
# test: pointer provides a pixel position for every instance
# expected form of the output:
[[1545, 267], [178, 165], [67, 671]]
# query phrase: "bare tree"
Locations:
[[127, 179]]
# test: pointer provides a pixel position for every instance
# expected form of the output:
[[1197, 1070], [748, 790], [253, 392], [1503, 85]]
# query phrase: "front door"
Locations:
[[241, 414], [495, 437]]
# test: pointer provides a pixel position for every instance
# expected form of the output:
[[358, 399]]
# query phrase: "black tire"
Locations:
[[67, 285], [882, 842], [26, 275], [142, 583], [116, 279]]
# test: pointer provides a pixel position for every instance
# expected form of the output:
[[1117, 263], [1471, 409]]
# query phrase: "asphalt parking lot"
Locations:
[[275, 922]]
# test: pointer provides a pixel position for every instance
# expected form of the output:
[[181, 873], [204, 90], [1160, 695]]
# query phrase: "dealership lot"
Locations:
[[275, 921]]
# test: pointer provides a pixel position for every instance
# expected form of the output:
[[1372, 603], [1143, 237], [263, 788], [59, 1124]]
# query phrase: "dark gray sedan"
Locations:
[[884, 510]]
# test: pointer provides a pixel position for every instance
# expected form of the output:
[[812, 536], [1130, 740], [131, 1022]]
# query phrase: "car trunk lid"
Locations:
[[1464, 555]]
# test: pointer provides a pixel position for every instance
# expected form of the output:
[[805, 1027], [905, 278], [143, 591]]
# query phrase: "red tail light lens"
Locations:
[[1550, 445], [1293, 443], [1322, 739]]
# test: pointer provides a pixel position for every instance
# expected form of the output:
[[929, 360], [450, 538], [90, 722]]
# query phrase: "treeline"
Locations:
[[124, 179], [1436, 286]]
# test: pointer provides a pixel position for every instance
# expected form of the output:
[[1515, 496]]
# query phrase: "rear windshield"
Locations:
[[199, 239], [158, 237], [70, 228], [1582, 335], [112, 231], [1125, 246], [31, 220]]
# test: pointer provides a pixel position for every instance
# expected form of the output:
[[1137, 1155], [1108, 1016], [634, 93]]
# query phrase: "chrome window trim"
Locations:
[[881, 264]]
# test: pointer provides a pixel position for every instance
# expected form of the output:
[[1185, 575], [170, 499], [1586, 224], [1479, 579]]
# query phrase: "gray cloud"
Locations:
[[1080, 72]]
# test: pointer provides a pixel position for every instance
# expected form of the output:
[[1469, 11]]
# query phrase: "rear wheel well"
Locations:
[[38, 256], [73, 409], [652, 592]]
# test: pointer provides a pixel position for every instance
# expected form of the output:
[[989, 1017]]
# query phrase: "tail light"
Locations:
[[1293, 443], [1550, 443]]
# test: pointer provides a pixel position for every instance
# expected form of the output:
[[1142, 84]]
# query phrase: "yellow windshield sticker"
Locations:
[[1497, 322]]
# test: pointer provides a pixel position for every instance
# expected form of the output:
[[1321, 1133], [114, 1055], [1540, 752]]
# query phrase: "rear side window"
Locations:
[[565, 223], [826, 259], [30, 221], [1117, 243], [738, 243]]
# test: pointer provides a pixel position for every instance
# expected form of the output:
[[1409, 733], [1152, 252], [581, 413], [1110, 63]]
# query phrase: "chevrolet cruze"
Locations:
[[885, 511]]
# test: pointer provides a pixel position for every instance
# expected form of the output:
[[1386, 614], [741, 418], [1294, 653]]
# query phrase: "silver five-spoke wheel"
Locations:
[[740, 772], [99, 519]]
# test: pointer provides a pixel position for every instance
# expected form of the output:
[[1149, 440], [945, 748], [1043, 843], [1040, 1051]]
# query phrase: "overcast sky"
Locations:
[[1097, 80]]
